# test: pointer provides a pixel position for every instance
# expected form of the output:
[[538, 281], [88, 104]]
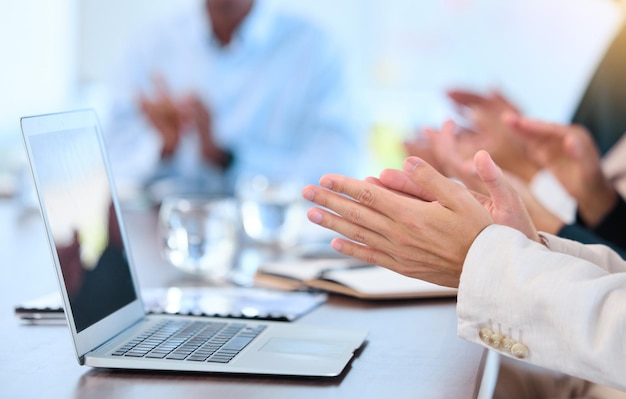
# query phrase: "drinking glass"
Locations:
[[199, 234], [270, 210]]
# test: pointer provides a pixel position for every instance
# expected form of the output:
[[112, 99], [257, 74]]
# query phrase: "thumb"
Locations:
[[508, 208], [573, 147], [492, 177]]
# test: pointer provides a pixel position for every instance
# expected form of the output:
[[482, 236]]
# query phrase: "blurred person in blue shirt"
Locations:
[[226, 88]]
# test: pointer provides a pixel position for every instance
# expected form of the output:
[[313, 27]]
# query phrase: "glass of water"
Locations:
[[199, 234], [270, 210]]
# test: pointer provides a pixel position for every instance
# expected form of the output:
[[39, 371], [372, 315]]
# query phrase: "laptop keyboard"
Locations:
[[199, 341]]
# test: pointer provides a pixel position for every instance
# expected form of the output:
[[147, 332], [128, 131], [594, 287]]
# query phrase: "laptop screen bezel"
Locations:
[[108, 327]]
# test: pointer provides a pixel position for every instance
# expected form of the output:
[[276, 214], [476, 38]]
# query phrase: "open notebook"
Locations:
[[346, 277], [104, 310]]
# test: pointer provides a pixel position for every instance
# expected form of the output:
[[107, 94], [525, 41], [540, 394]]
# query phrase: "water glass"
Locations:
[[270, 210], [199, 234]]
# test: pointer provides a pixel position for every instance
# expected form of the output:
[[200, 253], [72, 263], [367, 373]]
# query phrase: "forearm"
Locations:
[[597, 203], [219, 157], [613, 225], [610, 229], [212, 153], [569, 313]]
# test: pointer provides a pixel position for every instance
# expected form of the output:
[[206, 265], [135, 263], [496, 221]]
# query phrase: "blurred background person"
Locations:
[[226, 88], [569, 153], [601, 110]]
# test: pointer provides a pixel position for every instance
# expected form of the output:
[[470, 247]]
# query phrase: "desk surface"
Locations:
[[412, 349]]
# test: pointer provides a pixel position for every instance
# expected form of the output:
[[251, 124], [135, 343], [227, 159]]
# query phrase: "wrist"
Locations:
[[169, 141], [167, 151], [217, 156], [212, 153], [551, 225], [593, 209]]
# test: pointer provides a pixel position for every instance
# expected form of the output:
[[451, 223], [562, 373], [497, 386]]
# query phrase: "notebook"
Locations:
[[103, 307], [347, 277], [228, 302]]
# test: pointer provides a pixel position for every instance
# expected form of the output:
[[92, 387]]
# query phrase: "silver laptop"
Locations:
[[99, 288]]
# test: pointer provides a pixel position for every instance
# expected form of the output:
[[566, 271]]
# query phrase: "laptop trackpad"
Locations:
[[302, 347]]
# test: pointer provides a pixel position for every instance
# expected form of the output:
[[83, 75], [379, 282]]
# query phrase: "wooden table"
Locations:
[[412, 349]]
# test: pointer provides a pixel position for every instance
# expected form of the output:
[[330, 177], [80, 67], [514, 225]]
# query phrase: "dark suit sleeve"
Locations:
[[602, 110], [611, 231], [613, 226]]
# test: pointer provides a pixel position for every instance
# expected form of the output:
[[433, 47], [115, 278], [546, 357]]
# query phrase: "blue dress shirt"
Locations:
[[277, 94]]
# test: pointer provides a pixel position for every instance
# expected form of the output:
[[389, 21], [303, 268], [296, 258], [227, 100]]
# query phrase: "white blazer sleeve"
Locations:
[[597, 254], [563, 312]]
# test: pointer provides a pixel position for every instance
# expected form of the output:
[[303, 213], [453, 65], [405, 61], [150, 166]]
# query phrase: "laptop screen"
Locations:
[[76, 197]]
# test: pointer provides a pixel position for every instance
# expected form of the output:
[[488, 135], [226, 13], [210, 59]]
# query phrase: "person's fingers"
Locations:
[[374, 180], [448, 152], [511, 119], [428, 132], [503, 102], [345, 224], [359, 209], [433, 185], [399, 182], [534, 129], [413, 268], [573, 147], [444, 138], [444, 142], [448, 128], [551, 142], [366, 254], [493, 179], [506, 205], [466, 98], [583, 152], [192, 109]]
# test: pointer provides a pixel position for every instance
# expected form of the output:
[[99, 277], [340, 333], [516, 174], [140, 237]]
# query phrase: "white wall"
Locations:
[[402, 54], [406, 53], [38, 61], [106, 24], [37, 70]]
